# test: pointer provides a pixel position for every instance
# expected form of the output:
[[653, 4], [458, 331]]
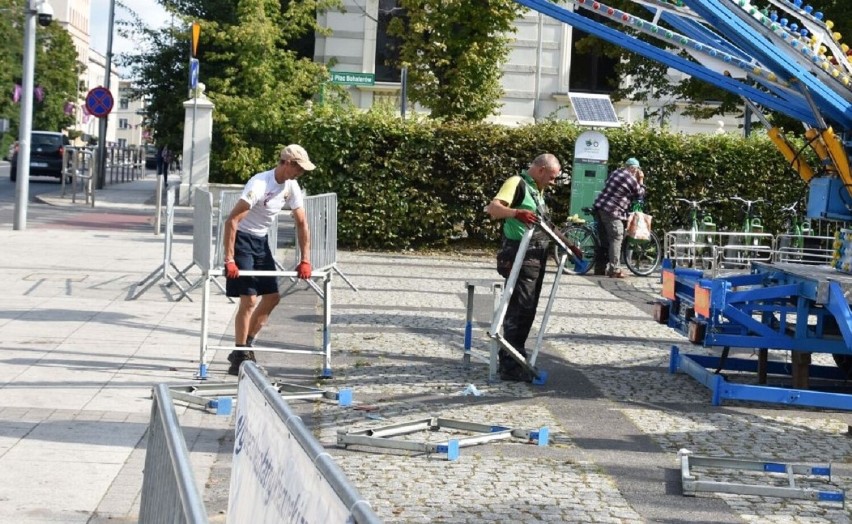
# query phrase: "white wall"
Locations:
[[535, 78]]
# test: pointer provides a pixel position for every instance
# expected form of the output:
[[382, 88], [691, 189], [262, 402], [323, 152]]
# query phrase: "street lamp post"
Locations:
[[22, 188]]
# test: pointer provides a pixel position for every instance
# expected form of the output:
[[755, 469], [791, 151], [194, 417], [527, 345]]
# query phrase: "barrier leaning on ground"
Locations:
[[169, 491], [280, 472]]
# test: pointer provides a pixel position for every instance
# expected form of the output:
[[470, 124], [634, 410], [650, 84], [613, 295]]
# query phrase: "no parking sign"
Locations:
[[99, 102]]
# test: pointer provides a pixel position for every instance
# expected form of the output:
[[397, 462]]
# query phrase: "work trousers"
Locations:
[[523, 304]]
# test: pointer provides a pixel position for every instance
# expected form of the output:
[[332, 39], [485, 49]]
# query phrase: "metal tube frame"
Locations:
[[496, 291], [692, 485], [222, 397], [325, 276], [540, 376], [379, 437]]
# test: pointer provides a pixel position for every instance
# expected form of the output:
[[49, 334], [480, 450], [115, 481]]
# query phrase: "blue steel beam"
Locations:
[[741, 34], [697, 31], [787, 107]]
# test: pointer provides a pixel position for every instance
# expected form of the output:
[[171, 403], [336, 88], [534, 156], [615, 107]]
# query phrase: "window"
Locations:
[[123, 103], [123, 124], [592, 72], [122, 142], [387, 47]]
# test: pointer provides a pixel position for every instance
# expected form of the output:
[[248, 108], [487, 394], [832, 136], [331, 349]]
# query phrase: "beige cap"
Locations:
[[297, 154]]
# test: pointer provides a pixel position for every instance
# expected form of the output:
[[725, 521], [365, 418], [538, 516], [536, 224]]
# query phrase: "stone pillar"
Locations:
[[197, 134]]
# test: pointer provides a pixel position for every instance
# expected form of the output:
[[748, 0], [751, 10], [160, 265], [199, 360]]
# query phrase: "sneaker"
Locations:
[[236, 358], [234, 368], [617, 274]]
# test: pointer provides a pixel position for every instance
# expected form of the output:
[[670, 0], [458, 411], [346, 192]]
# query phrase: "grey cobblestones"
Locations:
[[398, 344]]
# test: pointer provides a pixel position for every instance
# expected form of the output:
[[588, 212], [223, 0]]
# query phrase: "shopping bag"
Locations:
[[639, 225]]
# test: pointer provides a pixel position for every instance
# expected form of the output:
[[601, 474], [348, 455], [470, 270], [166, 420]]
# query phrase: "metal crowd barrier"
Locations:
[[277, 460], [78, 167], [812, 249], [169, 490], [124, 164], [715, 251], [321, 212]]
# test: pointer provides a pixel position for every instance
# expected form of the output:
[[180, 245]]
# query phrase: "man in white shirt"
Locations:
[[247, 246]]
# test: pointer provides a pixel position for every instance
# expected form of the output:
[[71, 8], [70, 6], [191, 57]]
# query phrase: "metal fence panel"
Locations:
[[202, 229], [277, 461], [321, 212], [169, 491]]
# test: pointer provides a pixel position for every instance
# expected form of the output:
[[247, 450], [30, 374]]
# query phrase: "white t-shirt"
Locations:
[[266, 197]]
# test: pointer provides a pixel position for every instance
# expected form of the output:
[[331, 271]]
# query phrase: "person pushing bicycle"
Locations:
[[622, 186]]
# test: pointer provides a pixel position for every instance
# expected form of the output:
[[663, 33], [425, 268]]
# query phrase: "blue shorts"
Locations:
[[251, 252]]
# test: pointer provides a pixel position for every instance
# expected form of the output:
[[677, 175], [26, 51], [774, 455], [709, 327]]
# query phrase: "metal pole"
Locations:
[[102, 125], [192, 146], [22, 189], [403, 105]]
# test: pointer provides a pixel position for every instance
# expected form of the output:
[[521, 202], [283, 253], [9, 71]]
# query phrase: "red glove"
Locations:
[[304, 270], [578, 253], [231, 269], [527, 217]]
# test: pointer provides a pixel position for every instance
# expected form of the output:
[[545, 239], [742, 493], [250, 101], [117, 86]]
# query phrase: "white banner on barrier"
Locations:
[[272, 479]]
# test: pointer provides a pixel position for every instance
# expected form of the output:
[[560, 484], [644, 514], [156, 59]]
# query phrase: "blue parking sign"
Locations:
[[193, 73]]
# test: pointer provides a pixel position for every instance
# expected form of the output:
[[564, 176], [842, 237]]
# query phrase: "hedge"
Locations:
[[422, 183]]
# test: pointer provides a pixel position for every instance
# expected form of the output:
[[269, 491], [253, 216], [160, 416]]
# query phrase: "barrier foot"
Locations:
[[222, 405], [344, 397], [202, 372], [451, 449], [542, 436], [326, 373], [540, 378]]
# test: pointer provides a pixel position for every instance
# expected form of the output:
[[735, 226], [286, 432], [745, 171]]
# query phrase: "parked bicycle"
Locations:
[[693, 247], [795, 229], [642, 257], [748, 243]]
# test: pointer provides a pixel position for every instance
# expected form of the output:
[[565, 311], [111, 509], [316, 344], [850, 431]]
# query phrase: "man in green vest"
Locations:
[[519, 204]]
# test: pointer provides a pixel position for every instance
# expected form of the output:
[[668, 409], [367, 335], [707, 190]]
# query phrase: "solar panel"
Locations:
[[594, 110]]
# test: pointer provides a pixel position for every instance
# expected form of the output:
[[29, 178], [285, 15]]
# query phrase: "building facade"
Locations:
[[74, 17], [130, 129], [541, 71]]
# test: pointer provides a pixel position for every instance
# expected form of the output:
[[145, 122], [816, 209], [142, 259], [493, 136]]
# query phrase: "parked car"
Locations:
[[150, 157], [46, 151]]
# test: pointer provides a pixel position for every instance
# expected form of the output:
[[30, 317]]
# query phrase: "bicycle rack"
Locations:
[[221, 397], [692, 484], [380, 437]]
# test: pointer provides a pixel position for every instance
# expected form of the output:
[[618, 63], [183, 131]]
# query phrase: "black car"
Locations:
[[46, 150], [151, 157]]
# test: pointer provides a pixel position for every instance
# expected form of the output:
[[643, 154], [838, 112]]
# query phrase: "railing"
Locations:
[[804, 249], [715, 251], [169, 491]]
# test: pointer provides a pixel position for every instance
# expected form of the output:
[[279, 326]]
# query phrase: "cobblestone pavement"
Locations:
[[616, 416]]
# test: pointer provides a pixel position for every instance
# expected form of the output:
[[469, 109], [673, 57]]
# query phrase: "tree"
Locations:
[[454, 51], [248, 64], [56, 69]]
